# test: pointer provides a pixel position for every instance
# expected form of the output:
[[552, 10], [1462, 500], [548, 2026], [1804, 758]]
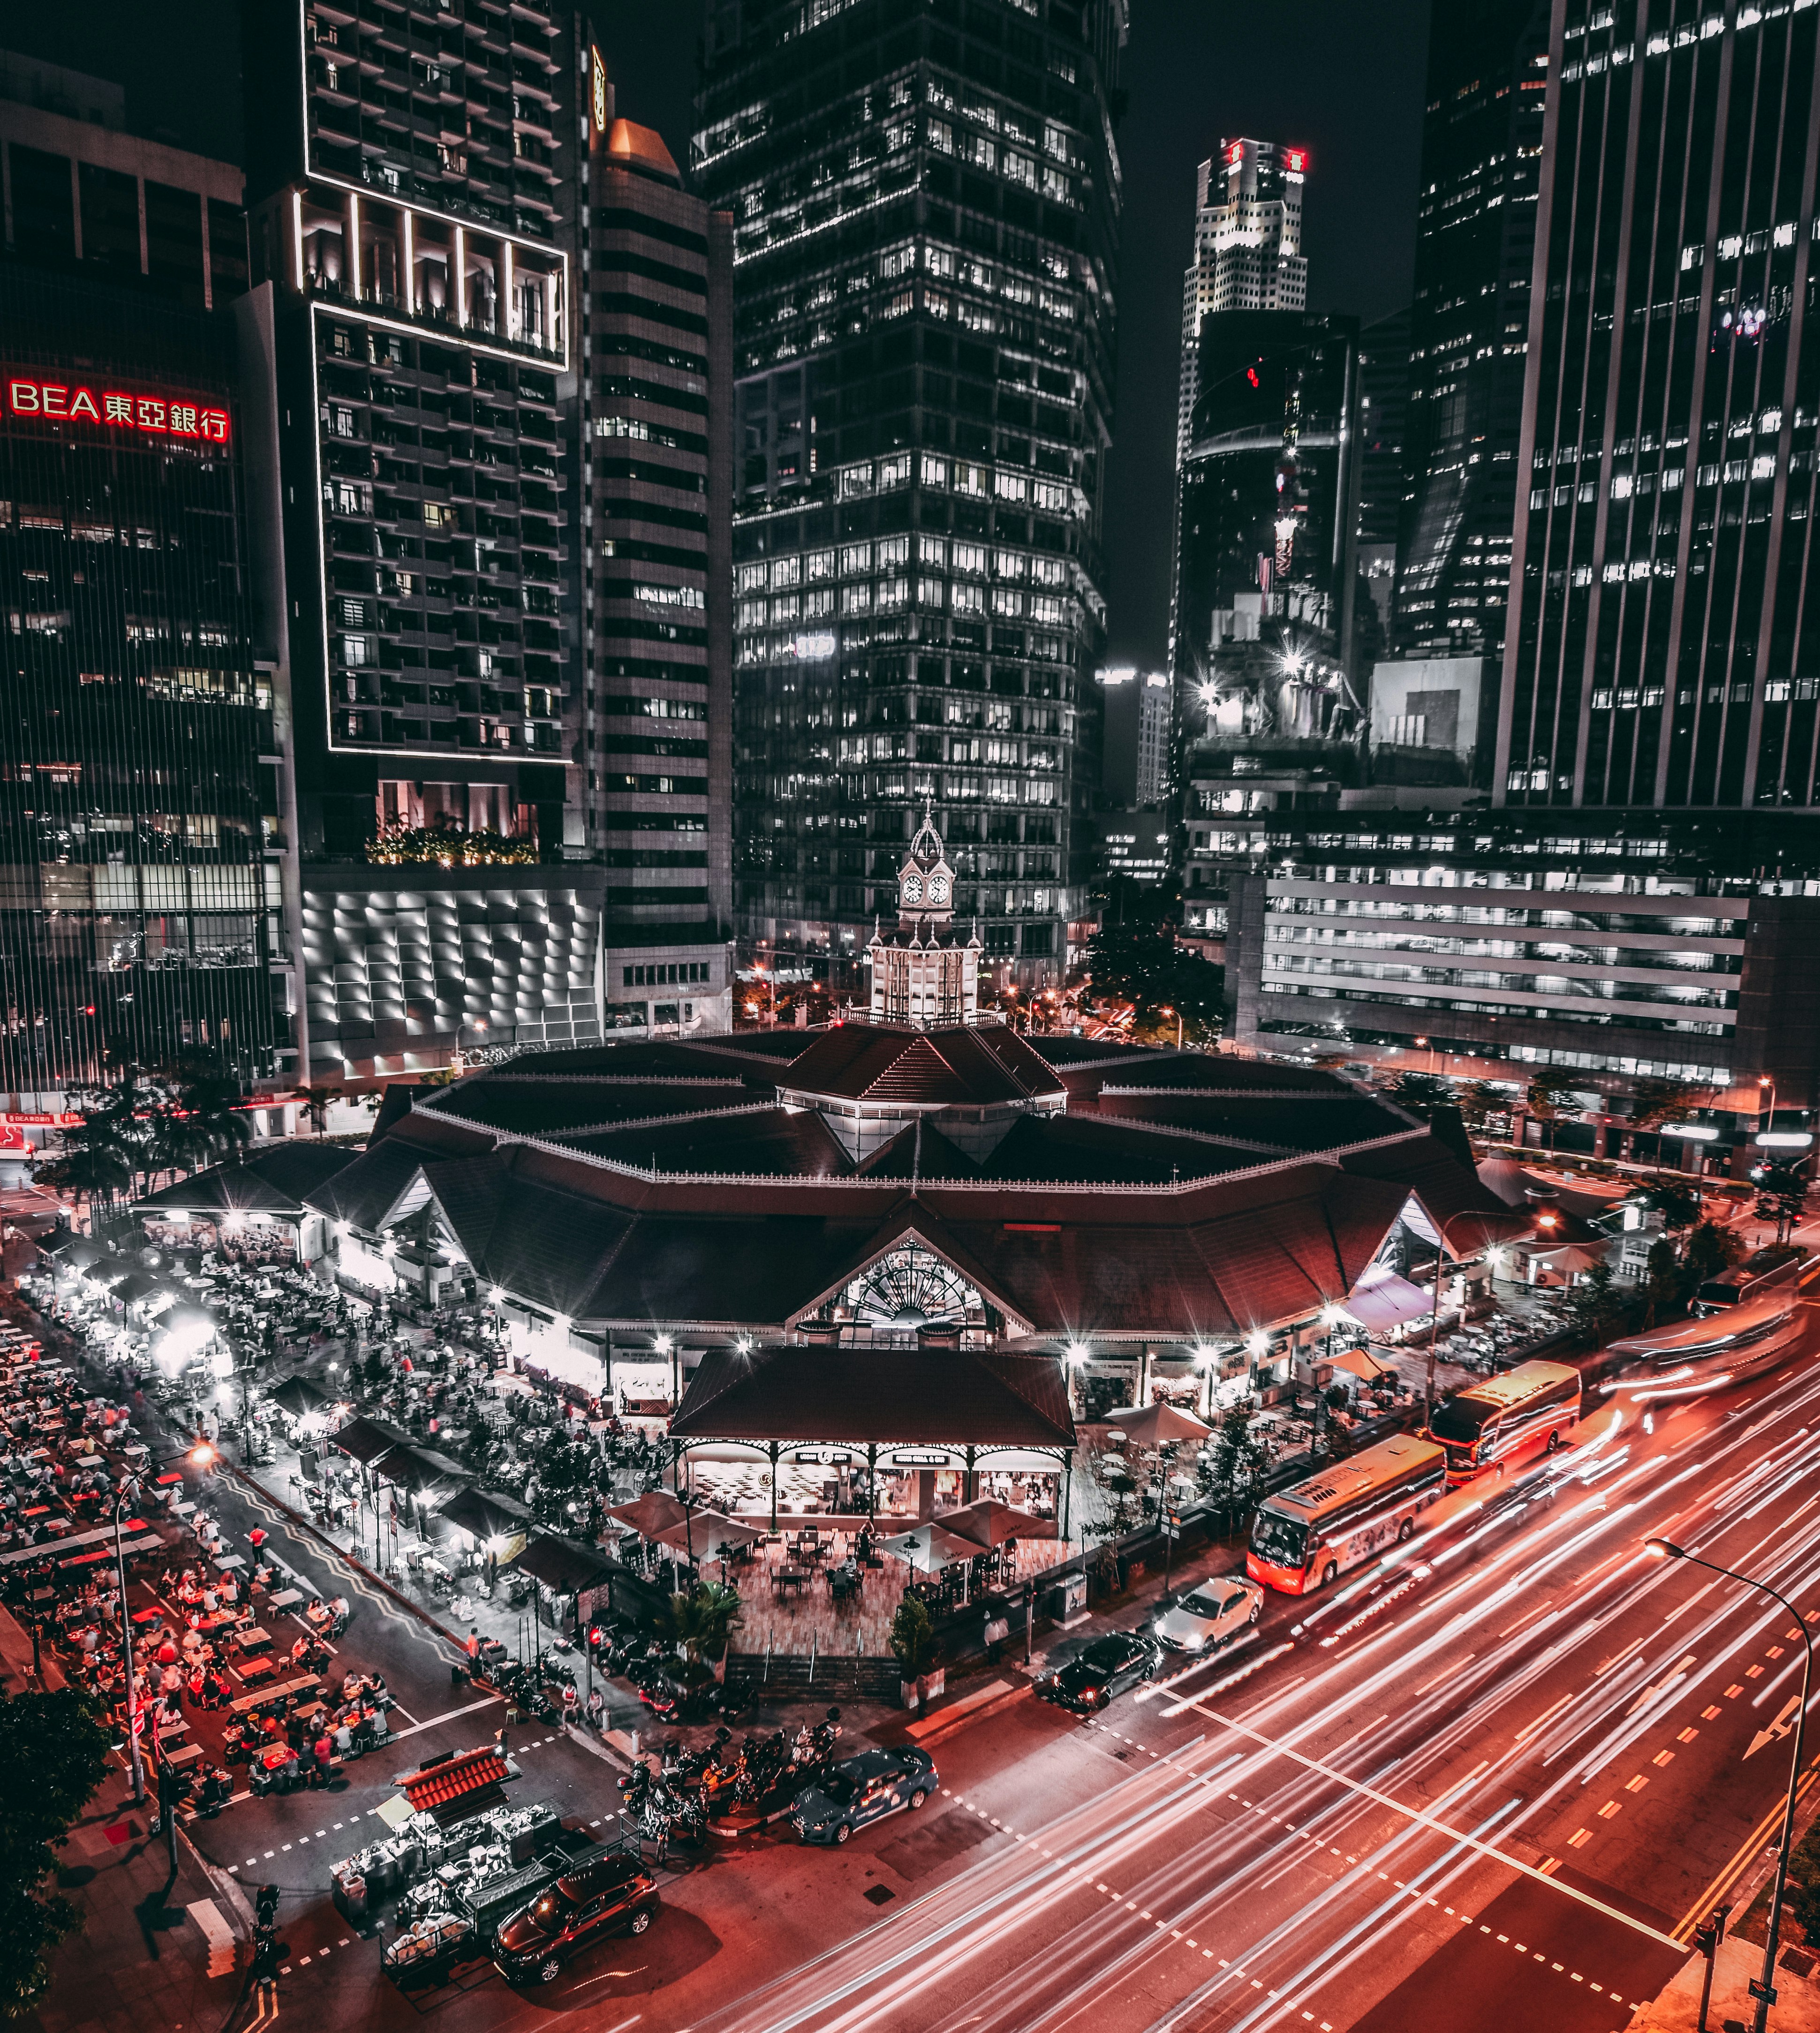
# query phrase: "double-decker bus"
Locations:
[[1485, 1427], [1775, 1270], [1302, 1537], [1728, 1345]]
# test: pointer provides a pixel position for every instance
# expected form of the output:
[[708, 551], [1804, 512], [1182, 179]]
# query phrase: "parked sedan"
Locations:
[[1211, 1615], [858, 1790], [613, 1894], [1108, 1666]]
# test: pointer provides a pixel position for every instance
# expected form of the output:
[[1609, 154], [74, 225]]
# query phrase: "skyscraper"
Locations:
[[926, 263], [140, 906], [657, 440], [1247, 250], [412, 182], [1666, 652], [1488, 80]]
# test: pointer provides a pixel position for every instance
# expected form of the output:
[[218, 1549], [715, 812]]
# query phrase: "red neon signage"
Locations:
[[170, 416], [1295, 159]]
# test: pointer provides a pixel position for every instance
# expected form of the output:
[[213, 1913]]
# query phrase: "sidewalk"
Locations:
[[1677, 2008], [143, 1956]]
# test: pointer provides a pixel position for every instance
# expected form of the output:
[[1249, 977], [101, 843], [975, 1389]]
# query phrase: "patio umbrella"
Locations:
[[1151, 1425], [1360, 1362], [705, 1535], [990, 1523], [650, 1516], [929, 1549], [298, 1394]]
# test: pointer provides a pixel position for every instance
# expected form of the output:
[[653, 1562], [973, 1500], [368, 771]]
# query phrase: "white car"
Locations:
[[1211, 1614]]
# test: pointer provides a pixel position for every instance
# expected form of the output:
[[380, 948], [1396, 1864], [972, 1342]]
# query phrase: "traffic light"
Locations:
[[1708, 1935]]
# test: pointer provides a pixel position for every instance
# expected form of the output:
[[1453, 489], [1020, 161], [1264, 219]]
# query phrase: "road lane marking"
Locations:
[[1438, 1827]]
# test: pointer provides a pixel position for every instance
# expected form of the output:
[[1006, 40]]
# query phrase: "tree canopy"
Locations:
[[55, 1739], [1142, 964]]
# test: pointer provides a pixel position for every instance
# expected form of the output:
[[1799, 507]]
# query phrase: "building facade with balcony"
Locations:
[[412, 180]]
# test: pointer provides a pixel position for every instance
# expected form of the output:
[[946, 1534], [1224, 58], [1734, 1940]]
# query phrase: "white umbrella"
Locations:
[[929, 1549]]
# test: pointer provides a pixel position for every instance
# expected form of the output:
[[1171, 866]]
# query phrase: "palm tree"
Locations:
[[316, 1102], [701, 1623], [89, 1170], [209, 1098]]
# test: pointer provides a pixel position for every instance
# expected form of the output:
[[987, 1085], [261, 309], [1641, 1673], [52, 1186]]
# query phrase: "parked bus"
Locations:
[[1302, 1537], [1531, 1406], [1776, 1269], [1725, 1345]]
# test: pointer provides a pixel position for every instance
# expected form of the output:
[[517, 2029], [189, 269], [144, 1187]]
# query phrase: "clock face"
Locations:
[[912, 889], [938, 890]]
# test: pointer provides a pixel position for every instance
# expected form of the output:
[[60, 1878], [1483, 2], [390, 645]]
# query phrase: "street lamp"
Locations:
[[663, 1345], [1169, 1011], [1666, 1549], [201, 1455]]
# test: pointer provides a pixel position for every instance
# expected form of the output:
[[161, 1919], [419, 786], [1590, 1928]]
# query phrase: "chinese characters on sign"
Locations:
[[132, 413]]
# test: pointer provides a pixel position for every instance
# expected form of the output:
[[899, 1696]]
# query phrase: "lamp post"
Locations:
[[1665, 1549], [1168, 1010]]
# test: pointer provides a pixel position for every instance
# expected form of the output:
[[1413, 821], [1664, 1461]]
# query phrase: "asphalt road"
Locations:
[[1491, 1785]]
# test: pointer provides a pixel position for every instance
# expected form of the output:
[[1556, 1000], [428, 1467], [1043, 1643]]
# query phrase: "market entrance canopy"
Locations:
[[911, 1397]]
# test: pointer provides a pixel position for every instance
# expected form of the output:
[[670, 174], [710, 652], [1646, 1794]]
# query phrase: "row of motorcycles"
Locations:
[[689, 1789]]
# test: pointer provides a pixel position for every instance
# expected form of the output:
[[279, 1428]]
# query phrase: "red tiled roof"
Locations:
[[466, 1773], [960, 1067]]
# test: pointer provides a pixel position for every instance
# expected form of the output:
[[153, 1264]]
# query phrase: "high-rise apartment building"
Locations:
[[1247, 250], [411, 179], [925, 265], [1667, 650], [1488, 78], [657, 391]]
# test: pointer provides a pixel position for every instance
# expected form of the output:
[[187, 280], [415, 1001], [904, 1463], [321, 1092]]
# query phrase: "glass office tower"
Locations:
[[926, 209]]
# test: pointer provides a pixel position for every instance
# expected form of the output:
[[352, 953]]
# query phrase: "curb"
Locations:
[[347, 1560], [589, 1740]]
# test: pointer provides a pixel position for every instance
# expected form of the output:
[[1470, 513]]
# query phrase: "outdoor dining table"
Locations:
[[184, 1755], [228, 1562], [789, 1578], [251, 1639], [252, 1670], [287, 1598]]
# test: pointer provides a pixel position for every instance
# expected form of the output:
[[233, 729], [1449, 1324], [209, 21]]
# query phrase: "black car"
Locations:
[[858, 1790], [1108, 1666], [611, 1895]]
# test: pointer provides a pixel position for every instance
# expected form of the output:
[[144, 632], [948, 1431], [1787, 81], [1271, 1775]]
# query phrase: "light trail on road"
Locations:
[[1262, 1850]]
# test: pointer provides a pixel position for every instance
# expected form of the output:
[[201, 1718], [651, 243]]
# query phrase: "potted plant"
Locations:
[[913, 1647]]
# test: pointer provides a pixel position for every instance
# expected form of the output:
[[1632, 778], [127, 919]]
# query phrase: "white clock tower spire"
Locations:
[[921, 973]]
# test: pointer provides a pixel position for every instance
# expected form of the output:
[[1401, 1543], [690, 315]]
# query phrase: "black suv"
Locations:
[[611, 1895], [1108, 1666]]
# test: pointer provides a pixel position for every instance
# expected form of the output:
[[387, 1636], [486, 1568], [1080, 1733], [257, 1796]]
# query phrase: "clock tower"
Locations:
[[922, 973]]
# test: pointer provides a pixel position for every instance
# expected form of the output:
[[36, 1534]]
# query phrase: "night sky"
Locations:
[[1342, 78]]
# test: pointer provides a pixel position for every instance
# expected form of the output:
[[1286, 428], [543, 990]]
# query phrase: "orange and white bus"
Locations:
[[1533, 1405], [1302, 1537]]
